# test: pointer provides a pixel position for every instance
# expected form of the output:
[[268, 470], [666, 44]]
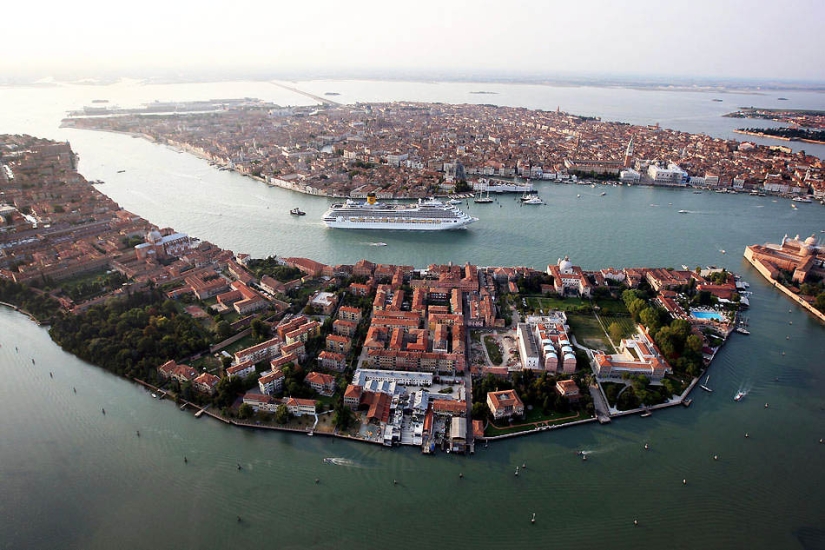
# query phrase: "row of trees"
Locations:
[[130, 336], [38, 303], [790, 133], [270, 266]]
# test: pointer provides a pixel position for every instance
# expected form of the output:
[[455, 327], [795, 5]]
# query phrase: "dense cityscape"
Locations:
[[408, 150], [437, 357]]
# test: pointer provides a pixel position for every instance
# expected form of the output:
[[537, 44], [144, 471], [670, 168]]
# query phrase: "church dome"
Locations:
[[565, 265]]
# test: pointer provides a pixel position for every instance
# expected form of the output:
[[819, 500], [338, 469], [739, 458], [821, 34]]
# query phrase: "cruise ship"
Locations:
[[425, 215]]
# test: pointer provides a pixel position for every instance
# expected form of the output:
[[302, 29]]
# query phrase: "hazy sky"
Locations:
[[765, 39]]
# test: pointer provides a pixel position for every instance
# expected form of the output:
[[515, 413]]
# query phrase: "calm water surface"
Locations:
[[72, 477]]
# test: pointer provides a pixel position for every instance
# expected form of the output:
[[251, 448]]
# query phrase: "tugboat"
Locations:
[[297, 212]]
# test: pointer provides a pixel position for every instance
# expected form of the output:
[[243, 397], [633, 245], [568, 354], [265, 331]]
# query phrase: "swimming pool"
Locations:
[[708, 315]]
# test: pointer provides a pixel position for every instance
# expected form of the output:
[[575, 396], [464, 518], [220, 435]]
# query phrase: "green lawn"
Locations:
[[493, 350], [243, 343], [627, 324], [588, 331], [612, 307], [555, 304]]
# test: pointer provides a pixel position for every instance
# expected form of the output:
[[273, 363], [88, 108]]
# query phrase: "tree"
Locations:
[[480, 410], [224, 330], [820, 301], [693, 344], [281, 414], [650, 318], [259, 331], [616, 332], [343, 416], [245, 411], [635, 308]]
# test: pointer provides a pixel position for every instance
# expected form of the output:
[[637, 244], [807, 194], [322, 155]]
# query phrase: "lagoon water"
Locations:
[[72, 477]]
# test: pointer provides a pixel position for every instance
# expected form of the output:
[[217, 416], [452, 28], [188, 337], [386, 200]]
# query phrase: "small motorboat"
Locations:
[[297, 212], [739, 395]]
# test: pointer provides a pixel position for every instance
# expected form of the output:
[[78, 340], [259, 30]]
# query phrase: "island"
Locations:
[[796, 267], [438, 357], [804, 125], [417, 150]]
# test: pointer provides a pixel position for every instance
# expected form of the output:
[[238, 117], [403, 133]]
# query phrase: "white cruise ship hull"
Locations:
[[361, 222], [426, 216]]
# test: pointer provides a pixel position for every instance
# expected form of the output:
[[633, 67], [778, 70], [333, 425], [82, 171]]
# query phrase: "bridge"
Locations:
[[319, 99]]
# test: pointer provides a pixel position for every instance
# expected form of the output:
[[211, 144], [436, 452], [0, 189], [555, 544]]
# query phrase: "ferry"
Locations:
[[425, 215]]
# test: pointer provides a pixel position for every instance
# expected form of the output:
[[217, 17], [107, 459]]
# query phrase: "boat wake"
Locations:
[[340, 461], [743, 391]]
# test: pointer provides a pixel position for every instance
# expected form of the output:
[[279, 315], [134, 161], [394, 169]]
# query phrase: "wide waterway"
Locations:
[[72, 477]]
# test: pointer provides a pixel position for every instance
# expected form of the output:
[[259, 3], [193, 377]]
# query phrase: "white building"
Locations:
[[672, 175], [528, 348], [629, 175]]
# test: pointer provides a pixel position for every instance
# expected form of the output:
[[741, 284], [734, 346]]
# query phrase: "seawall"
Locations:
[[767, 274]]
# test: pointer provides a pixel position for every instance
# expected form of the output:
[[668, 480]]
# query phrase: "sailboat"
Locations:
[[705, 385], [483, 199]]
